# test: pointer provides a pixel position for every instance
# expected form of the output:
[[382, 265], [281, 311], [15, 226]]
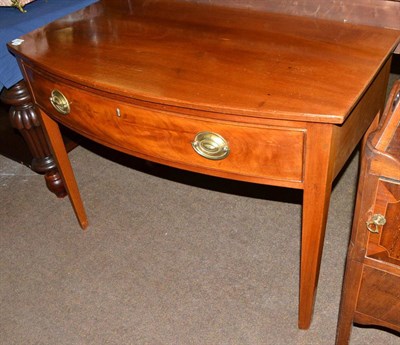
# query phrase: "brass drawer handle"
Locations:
[[376, 221], [211, 145], [59, 102]]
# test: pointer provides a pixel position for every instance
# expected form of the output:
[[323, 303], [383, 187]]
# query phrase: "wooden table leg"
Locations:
[[354, 266], [316, 197], [54, 137], [23, 117]]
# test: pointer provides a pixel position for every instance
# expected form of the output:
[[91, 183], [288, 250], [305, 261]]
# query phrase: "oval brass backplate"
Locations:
[[211, 145], [59, 102]]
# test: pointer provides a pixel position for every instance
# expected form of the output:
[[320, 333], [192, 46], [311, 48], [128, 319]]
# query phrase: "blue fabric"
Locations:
[[14, 24]]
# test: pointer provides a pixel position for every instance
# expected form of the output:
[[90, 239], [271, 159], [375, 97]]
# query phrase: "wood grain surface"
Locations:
[[251, 63]]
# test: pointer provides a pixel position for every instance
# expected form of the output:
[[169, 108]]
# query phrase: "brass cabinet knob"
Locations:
[[59, 102], [376, 221], [211, 145]]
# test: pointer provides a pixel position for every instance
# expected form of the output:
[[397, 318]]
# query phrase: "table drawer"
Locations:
[[250, 152]]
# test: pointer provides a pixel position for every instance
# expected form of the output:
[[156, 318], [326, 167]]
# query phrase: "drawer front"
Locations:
[[384, 240], [379, 295], [256, 153]]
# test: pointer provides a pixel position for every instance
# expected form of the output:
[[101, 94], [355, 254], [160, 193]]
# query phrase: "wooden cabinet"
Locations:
[[371, 289]]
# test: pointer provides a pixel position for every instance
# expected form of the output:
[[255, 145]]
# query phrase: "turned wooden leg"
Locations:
[[316, 197], [24, 118]]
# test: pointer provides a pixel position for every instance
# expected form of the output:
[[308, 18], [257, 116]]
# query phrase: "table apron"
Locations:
[[267, 154]]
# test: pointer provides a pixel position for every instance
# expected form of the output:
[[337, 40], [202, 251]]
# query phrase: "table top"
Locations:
[[381, 13], [214, 58], [13, 24]]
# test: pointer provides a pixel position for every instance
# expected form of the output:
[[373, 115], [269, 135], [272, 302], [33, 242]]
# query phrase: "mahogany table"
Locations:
[[243, 94]]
